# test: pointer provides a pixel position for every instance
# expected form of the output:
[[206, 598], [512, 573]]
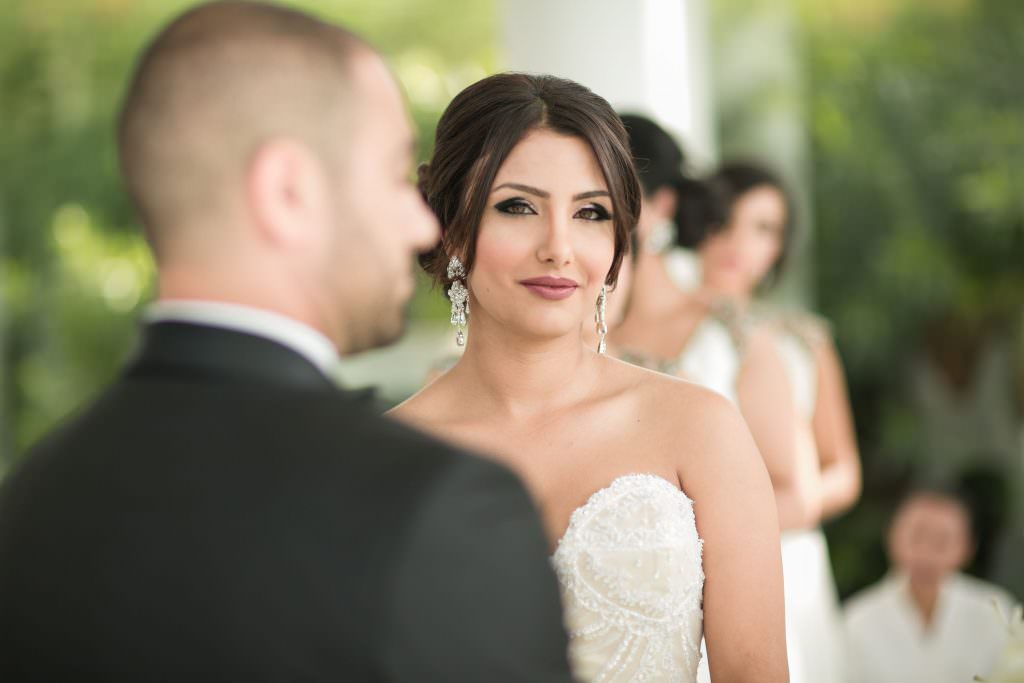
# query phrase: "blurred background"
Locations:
[[900, 123]]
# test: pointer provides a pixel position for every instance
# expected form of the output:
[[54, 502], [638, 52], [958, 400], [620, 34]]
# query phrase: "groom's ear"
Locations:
[[286, 194]]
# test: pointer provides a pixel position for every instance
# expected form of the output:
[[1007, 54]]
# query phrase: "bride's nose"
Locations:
[[555, 247]]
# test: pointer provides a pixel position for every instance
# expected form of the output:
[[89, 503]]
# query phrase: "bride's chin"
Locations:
[[537, 323], [550, 332]]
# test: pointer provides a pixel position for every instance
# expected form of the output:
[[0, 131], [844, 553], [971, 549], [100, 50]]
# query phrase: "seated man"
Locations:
[[925, 621]]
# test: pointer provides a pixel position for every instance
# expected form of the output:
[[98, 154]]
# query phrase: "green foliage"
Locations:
[[917, 126], [919, 158], [915, 119], [74, 270]]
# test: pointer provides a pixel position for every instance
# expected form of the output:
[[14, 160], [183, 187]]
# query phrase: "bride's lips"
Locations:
[[550, 287]]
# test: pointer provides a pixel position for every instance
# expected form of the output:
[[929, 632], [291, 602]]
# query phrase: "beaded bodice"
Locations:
[[632, 580]]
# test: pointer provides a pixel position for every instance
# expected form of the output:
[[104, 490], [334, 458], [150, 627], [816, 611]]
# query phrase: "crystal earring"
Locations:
[[599, 321], [459, 296]]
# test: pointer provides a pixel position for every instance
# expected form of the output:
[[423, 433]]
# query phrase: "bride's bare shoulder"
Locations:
[[426, 407], [661, 394], [680, 413]]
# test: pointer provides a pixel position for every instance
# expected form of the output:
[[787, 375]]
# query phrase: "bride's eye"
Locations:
[[515, 206], [593, 212]]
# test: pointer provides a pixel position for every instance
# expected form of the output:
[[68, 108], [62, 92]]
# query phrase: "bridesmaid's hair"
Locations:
[[480, 128], [732, 181], [661, 163]]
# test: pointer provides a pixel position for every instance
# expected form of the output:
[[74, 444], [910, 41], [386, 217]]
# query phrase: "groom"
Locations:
[[223, 512]]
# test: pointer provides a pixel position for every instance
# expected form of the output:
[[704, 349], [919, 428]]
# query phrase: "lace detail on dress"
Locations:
[[632, 580]]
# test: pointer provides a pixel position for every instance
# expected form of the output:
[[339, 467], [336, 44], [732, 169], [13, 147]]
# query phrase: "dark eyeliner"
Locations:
[[507, 206], [601, 213]]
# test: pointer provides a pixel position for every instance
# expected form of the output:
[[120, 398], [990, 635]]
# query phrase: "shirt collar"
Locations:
[[299, 337]]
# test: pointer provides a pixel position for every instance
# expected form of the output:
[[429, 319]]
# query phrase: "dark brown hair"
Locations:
[[660, 163], [480, 128]]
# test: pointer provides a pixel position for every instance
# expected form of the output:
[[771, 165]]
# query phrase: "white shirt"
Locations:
[[301, 338], [887, 641]]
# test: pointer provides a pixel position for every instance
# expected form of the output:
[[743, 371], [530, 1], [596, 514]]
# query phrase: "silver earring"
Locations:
[[599, 321], [459, 296]]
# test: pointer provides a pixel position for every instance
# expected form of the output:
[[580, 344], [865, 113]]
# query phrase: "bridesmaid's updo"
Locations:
[[480, 128]]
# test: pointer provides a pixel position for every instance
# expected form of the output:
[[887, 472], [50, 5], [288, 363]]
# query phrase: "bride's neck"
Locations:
[[525, 376]]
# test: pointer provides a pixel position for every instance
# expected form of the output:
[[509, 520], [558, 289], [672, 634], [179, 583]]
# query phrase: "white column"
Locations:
[[644, 56], [760, 94]]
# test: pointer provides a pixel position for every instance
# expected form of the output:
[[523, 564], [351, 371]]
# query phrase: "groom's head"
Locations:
[[269, 156]]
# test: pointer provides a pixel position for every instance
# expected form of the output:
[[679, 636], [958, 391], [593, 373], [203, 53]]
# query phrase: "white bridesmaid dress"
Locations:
[[814, 628], [712, 358]]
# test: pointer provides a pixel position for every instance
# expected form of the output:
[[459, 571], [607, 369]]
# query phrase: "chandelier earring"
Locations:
[[459, 296], [599, 321]]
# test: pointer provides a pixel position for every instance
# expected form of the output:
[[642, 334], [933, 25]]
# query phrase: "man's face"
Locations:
[[930, 538], [386, 222]]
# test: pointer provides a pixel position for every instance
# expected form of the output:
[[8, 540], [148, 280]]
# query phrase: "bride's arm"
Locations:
[[744, 621]]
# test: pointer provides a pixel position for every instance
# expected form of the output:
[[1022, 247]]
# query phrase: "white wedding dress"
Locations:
[[632, 581]]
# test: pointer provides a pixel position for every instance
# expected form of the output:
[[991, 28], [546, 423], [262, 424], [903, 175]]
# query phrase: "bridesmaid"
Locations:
[[684, 334], [782, 371], [740, 260]]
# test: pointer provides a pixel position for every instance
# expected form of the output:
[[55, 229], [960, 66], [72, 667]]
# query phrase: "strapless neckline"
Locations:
[[595, 499], [630, 569]]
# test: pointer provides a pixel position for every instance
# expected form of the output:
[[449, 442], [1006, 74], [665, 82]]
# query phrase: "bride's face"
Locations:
[[546, 239]]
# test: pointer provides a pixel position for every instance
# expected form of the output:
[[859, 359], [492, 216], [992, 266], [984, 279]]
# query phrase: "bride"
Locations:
[[656, 503]]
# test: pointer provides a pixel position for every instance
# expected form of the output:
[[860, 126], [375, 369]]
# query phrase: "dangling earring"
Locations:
[[459, 296], [599, 321]]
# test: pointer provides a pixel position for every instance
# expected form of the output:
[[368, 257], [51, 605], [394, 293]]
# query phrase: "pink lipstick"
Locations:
[[553, 288]]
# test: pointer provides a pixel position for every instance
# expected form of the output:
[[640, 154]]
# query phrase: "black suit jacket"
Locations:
[[224, 513]]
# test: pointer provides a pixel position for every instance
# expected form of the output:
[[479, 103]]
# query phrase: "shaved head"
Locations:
[[269, 155], [215, 84]]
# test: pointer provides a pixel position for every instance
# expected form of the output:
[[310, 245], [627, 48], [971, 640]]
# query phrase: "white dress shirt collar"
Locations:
[[299, 337]]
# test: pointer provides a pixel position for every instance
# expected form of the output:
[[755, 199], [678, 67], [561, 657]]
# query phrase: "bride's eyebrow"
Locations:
[[543, 194]]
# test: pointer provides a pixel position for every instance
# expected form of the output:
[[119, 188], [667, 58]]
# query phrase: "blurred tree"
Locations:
[[917, 112], [916, 122], [74, 270]]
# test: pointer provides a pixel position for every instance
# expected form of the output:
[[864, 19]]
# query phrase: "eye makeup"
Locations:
[[594, 212], [515, 206]]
